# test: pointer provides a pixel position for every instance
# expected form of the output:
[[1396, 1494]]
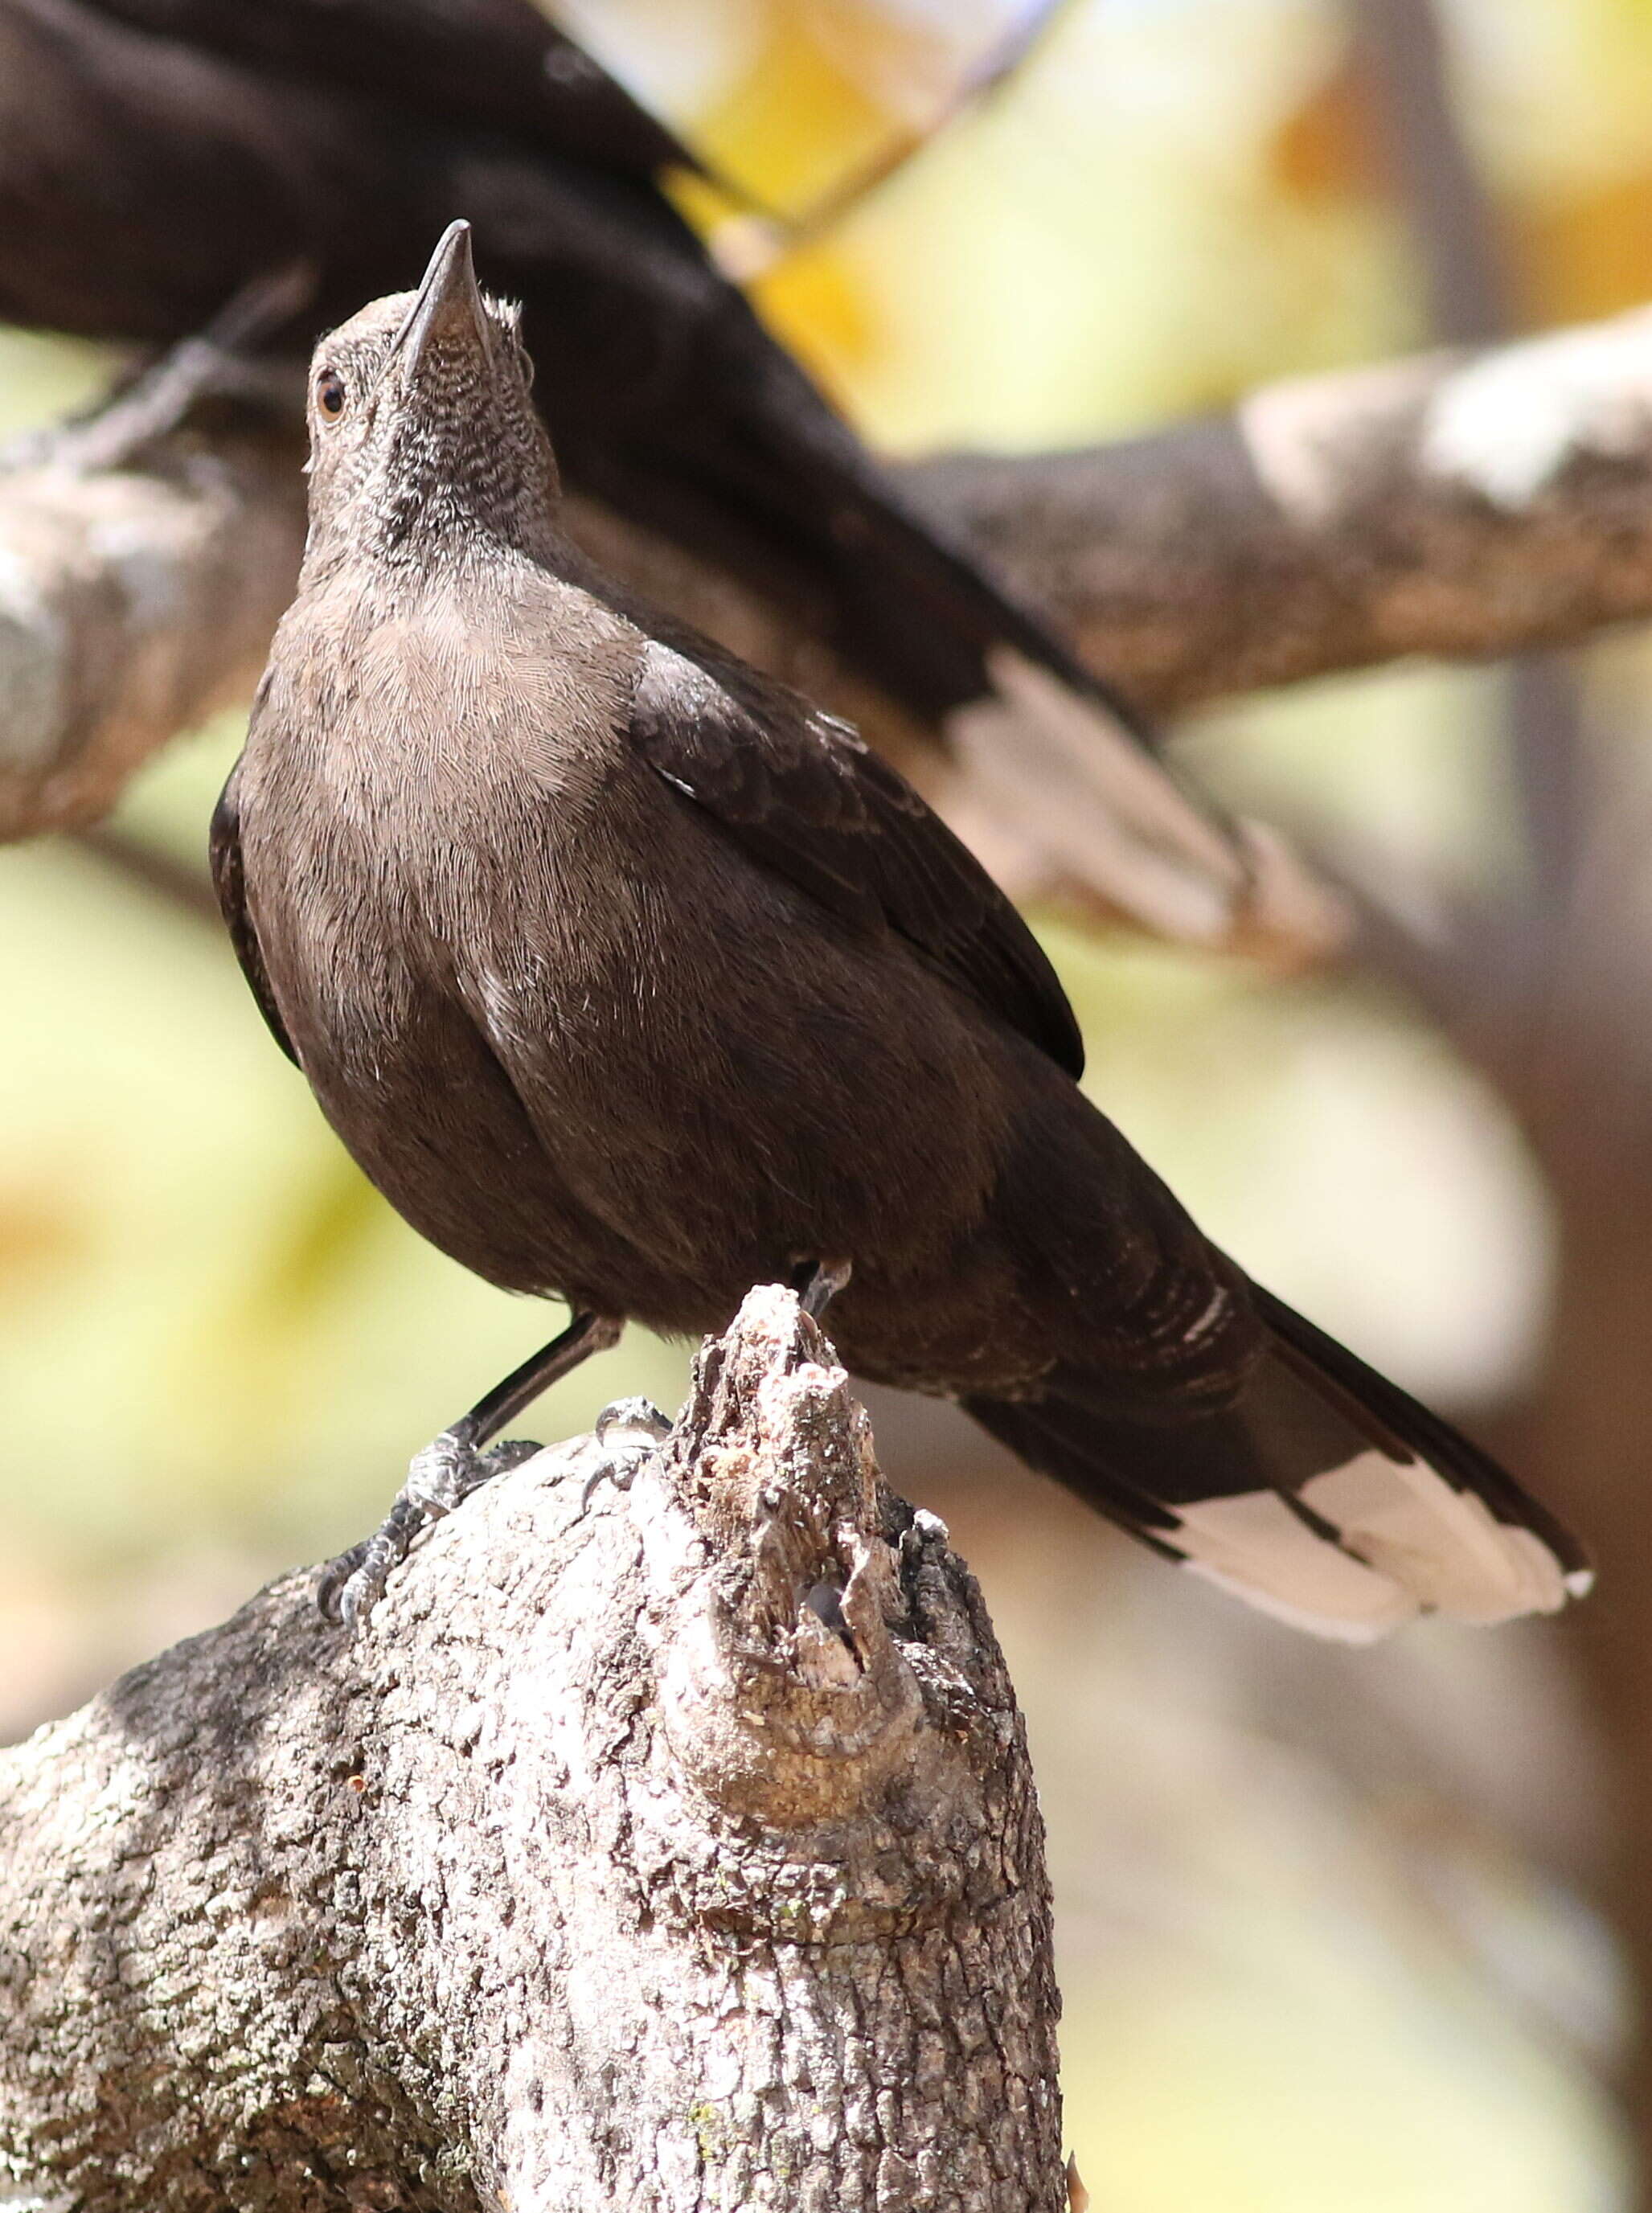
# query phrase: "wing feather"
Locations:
[[229, 881], [803, 792]]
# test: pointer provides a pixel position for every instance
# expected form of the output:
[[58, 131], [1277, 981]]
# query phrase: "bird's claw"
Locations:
[[628, 1433], [441, 1476], [352, 1585], [635, 1418]]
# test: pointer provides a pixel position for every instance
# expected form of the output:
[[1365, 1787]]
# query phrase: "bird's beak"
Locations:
[[447, 304]]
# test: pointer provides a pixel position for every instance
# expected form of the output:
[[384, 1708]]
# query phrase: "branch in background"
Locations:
[[746, 245], [133, 603], [1457, 240], [1537, 991], [1399, 47], [1451, 504], [148, 868], [678, 1850]]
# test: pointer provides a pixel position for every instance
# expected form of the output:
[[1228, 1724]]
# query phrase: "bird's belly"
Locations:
[[657, 1200], [637, 1118], [724, 1132], [705, 1188], [426, 1113]]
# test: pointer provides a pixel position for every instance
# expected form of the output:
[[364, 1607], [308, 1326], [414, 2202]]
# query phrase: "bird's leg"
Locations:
[[451, 1466], [217, 362], [818, 1282]]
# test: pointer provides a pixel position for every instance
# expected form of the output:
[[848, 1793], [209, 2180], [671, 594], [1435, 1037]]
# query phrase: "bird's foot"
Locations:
[[442, 1476], [443, 1473], [628, 1433]]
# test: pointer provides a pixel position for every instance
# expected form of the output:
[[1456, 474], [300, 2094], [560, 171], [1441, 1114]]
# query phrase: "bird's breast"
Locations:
[[533, 984]]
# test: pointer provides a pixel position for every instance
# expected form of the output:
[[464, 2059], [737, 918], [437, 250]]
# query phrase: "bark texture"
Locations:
[[132, 603], [676, 1850], [1460, 504]]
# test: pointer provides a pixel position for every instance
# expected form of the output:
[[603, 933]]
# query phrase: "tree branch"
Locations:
[[1399, 48], [1460, 504], [678, 1852], [1459, 249], [132, 603], [1457, 505]]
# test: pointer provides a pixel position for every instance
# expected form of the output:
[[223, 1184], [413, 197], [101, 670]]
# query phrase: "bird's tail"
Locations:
[[1324, 1495]]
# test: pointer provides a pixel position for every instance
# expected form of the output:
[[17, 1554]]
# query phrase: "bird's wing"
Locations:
[[230, 883], [801, 792]]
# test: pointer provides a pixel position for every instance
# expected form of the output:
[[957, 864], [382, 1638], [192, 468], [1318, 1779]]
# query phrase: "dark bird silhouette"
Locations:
[[630, 976], [157, 154], [501, 63]]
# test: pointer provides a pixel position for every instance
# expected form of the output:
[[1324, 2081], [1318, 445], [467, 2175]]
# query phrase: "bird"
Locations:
[[158, 157], [630, 977]]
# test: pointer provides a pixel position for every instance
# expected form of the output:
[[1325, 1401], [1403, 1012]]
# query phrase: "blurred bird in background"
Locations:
[[159, 156]]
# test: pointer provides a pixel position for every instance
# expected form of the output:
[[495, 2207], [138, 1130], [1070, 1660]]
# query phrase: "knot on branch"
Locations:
[[815, 1657]]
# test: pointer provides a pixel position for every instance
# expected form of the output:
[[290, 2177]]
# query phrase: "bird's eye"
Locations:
[[330, 395]]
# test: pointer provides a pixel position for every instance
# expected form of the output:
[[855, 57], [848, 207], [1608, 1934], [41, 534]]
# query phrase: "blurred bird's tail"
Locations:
[[1060, 777], [1324, 1495], [1055, 764]]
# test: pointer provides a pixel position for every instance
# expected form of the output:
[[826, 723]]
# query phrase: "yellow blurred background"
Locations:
[[1321, 1919]]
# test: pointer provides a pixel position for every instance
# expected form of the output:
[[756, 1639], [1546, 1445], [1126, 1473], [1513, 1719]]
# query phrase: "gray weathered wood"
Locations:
[[133, 602], [1463, 504], [607, 1869]]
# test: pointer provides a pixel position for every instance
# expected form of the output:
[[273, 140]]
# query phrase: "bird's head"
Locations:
[[422, 427]]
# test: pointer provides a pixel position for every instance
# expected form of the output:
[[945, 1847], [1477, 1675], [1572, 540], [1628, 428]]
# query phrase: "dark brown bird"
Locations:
[[630, 977], [156, 156], [498, 64]]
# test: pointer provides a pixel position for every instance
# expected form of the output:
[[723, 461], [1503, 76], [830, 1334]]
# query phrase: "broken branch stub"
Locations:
[[676, 1850]]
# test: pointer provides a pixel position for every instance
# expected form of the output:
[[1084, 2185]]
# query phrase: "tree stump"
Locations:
[[673, 1848]]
